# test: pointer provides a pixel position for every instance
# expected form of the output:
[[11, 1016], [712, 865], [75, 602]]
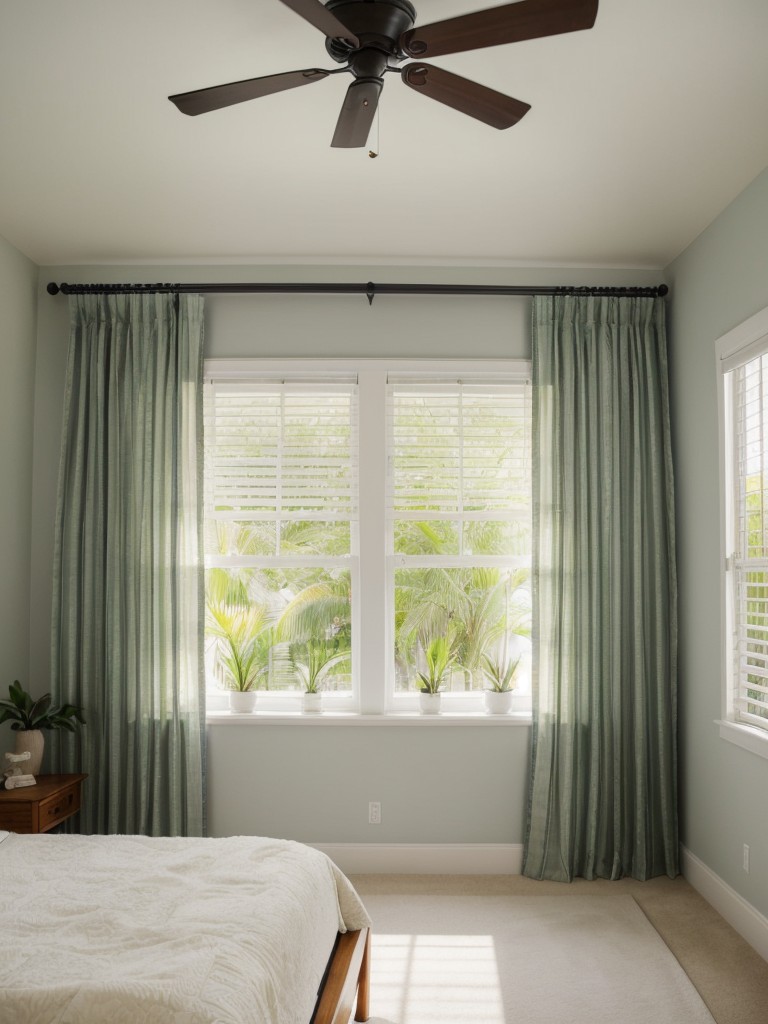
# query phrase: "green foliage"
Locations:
[[500, 674], [481, 607], [242, 631], [26, 714], [300, 623], [439, 658], [313, 660]]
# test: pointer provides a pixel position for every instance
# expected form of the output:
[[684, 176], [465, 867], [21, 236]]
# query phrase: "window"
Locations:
[[280, 533], [743, 357], [357, 516]]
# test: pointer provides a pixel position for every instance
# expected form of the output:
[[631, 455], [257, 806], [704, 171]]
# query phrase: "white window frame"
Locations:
[[738, 346], [517, 372], [372, 657]]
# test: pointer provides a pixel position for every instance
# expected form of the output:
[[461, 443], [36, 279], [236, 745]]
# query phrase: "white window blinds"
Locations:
[[749, 561], [281, 450], [459, 450]]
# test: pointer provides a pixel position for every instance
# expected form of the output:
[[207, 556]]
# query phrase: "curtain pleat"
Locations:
[[603, 790], [128, 578]]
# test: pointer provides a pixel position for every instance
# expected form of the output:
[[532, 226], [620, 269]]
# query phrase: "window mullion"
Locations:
[[460, 523], [279, 476], [373, 654]]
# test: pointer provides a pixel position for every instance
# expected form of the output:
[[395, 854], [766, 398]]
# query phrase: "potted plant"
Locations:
[[244, 639], [439, 658], [28, 717], [313, 661], [501, 676]]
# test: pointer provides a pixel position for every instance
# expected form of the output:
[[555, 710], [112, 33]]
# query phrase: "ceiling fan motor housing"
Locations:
[[378, 24]]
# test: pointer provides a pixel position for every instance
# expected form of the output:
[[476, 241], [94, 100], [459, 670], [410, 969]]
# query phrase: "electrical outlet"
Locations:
[[374, 813], [746, 858]]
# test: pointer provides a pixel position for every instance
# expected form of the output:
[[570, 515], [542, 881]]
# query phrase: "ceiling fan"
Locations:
[[372, 37]]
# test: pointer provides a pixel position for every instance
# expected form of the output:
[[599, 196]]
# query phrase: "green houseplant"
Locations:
[[439, 658], [313, 661], [501, 677], [28, 717], [243, 636]]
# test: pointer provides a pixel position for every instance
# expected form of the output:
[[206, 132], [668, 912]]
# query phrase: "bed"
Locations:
[[138, 930]]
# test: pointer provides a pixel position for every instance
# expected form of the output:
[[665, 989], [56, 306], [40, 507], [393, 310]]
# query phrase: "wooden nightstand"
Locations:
[[38, 808]]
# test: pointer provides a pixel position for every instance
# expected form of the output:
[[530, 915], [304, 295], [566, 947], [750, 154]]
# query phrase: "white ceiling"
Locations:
[[641, 131]]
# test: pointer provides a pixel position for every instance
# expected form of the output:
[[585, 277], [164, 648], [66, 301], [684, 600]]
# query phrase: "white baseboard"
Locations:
[[425, 859], [740, 914]]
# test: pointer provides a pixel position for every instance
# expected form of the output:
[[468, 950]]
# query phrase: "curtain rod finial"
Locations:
[[53, 288]]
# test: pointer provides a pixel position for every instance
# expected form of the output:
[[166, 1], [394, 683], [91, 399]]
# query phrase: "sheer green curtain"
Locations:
[[603, 795], [128, 587]]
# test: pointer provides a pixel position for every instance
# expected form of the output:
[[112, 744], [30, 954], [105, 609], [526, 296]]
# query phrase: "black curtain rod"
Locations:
[[369, 289]]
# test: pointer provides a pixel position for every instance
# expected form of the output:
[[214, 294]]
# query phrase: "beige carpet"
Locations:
[[527, 959], [434, 964]]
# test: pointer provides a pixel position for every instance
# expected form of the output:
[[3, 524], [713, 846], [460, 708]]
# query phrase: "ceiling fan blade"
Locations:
[[316, 14], [357, 113], [510, 23], [217, 96], [487, 105]]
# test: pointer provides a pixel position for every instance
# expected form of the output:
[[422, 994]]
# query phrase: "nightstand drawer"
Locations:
[[59, 807]]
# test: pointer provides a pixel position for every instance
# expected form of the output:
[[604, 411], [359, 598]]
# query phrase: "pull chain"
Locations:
[[371, 152]]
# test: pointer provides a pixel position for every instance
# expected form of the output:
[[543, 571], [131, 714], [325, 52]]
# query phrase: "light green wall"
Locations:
[[304, 782], [18, 284], [719, 281]]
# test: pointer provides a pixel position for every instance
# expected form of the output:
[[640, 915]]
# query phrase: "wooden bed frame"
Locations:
[[347, 981]]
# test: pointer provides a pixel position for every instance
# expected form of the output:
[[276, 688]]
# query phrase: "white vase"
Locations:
[[429, 703], [242, 701], [312, 702], [498, 703], [31, 740]]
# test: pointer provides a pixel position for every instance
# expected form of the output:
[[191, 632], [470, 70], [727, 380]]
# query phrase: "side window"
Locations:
[[744, 445]]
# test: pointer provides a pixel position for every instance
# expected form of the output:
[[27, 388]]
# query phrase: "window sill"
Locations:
[[331, 718], [745, 736]]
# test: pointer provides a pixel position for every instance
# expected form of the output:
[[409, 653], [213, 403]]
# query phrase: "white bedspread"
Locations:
[[131, 930]]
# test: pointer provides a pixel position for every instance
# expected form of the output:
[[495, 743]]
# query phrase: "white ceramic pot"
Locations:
[[242, 701], [31, 740], [429, 703], [498, 703], [312, 702]]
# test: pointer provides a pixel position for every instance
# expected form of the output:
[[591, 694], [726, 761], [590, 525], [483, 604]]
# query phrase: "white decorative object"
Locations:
[[17, 781], [498, 702], [15, 775], [429, 703], [242, 701], [312, 702], [32, 741]]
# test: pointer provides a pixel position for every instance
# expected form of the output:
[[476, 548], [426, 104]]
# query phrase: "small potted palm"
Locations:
[[439, 658], [501, 678], [243, 638], [313, 660], [28, 717]]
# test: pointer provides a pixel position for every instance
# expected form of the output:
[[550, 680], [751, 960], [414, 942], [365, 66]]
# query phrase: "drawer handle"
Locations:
[[53, 811]]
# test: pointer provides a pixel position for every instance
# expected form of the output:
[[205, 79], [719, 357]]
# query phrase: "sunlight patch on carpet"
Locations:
[[524, 960], [414, 972]]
